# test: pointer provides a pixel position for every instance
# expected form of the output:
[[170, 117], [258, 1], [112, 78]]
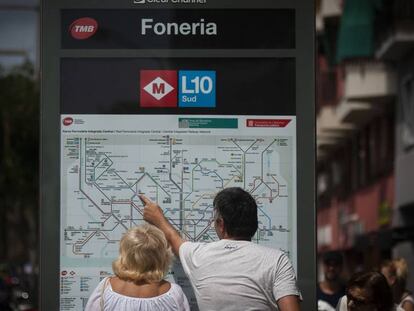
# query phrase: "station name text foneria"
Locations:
[[148, 26]]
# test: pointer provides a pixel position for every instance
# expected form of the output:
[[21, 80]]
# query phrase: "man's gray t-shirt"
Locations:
[[237, 275]]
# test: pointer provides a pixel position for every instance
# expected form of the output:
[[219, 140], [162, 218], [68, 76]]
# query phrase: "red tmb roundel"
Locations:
[[83, 28], [67, 121]]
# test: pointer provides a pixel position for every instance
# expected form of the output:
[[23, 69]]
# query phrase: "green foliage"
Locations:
[[19, 149], [19, 114]]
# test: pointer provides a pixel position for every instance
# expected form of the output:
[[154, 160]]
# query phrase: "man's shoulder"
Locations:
[[251, 248]]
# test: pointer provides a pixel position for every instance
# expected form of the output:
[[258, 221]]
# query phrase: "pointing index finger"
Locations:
[[144, 199]]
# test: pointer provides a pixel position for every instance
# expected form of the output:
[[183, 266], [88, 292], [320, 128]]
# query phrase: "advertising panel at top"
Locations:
[[176, 101]]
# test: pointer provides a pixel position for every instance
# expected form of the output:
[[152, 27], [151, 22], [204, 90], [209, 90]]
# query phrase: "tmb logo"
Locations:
[[158, 88], [83, 28], [67, 121]]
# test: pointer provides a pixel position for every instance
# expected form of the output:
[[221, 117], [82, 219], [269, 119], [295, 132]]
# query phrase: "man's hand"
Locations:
[[154, 215]]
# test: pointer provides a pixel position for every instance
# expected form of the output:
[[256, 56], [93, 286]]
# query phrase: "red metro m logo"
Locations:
[[158, 88], [83, 28]]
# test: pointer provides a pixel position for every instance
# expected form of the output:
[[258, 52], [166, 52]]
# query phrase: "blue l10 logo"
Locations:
[[197, 88]]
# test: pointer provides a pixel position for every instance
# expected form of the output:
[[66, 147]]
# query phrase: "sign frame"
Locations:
[[51, 54]]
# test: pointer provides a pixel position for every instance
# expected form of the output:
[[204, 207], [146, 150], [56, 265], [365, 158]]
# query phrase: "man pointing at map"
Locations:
[[232, 273]]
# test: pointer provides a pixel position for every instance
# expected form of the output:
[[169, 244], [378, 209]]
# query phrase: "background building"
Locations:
[[365, 127]]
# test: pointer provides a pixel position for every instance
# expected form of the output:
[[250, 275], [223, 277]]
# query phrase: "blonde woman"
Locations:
[[396, 273], [138, 284]]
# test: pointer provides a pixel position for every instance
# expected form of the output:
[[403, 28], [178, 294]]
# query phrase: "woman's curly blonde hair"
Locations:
[[144, 255]]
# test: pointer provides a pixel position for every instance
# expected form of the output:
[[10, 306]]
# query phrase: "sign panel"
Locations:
[[253, 85], [178, 29], [179, 162], [176, 102]]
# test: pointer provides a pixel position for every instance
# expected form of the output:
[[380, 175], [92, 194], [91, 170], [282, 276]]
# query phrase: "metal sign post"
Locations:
[[175, 99]]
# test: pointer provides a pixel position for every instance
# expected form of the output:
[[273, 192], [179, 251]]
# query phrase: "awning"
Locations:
[[356, 33]]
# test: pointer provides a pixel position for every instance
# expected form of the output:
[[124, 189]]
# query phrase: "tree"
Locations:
[[19, 164]]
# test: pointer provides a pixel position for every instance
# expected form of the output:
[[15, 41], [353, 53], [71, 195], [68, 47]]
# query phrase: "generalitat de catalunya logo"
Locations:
[[83, 28]]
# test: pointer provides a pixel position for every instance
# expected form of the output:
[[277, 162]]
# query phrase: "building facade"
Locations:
[[365, 127]]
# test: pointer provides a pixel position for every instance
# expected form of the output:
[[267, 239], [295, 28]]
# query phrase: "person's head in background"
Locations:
[[396, 273], [144, 255], [332, 266], [369, 291], [235, 214]]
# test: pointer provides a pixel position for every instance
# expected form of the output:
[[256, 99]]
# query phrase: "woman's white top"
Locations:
[[343, 305], [406, 298], [173, 300], [324, 306]]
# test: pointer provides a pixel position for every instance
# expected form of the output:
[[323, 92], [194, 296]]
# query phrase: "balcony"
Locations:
[[357, 113], [395, 30], [329, 124], [331, 8], [327, 9], [398, 43], [330, 131], [370, 81]]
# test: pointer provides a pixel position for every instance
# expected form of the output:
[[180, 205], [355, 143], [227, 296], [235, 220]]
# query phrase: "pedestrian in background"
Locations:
[[332, 288], [396, 273], [138, 284], [368, 291]]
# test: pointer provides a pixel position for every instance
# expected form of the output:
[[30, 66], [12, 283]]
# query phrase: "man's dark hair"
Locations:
[[238, 210]]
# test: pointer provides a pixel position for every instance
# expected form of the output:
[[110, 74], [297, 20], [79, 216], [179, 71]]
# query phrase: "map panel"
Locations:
[[180, 163]]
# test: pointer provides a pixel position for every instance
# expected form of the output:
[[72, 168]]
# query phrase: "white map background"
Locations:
[[182, 171]]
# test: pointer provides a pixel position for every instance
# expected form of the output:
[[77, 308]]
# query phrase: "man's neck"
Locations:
[[227, 237]]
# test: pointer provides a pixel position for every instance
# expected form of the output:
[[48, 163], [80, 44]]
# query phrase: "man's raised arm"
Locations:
[[154, 215]]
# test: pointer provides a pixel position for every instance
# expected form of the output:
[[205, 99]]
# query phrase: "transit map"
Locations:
[[180, 162]]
